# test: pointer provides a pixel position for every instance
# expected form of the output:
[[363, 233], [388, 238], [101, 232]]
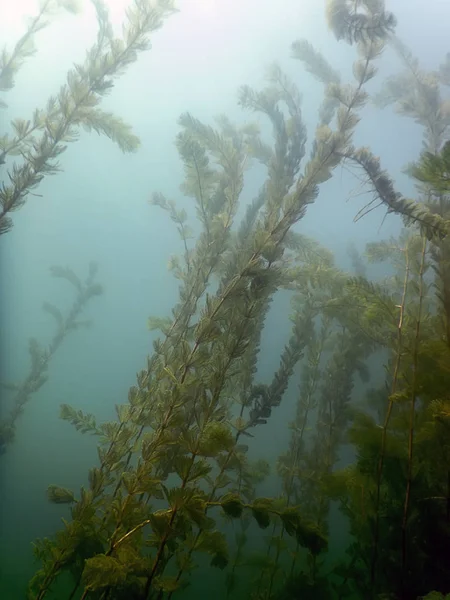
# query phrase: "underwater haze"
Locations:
[[225, 300]]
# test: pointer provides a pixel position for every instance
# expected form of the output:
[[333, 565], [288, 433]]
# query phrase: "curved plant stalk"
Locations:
[[432, 225]]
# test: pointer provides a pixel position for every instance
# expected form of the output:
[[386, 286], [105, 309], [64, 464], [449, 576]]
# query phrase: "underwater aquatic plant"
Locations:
[[422, 96], [41, 356], [386, 493], [41, 139], [185, 418]]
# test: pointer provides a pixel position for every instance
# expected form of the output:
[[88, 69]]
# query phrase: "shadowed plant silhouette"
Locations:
[[41, 356]]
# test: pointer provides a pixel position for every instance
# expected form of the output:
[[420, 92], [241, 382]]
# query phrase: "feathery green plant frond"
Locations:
[[82, 422], [315, 63], [43, 139], [59, 495], [11, 62], [431, 224], [110, 125]]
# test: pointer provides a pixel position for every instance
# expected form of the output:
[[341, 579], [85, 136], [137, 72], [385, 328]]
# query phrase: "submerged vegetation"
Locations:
[[40, 355], [174, 467]]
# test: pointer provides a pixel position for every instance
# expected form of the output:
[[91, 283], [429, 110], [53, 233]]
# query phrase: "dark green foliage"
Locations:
[[413, 212], [260, 512], [387, 494], [307, 534], [219, 560]]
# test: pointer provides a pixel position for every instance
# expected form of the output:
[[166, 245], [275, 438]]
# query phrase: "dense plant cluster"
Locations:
[[174, 468]]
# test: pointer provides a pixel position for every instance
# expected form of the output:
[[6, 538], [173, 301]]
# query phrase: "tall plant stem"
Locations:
[[380, 466], [412, 413]]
